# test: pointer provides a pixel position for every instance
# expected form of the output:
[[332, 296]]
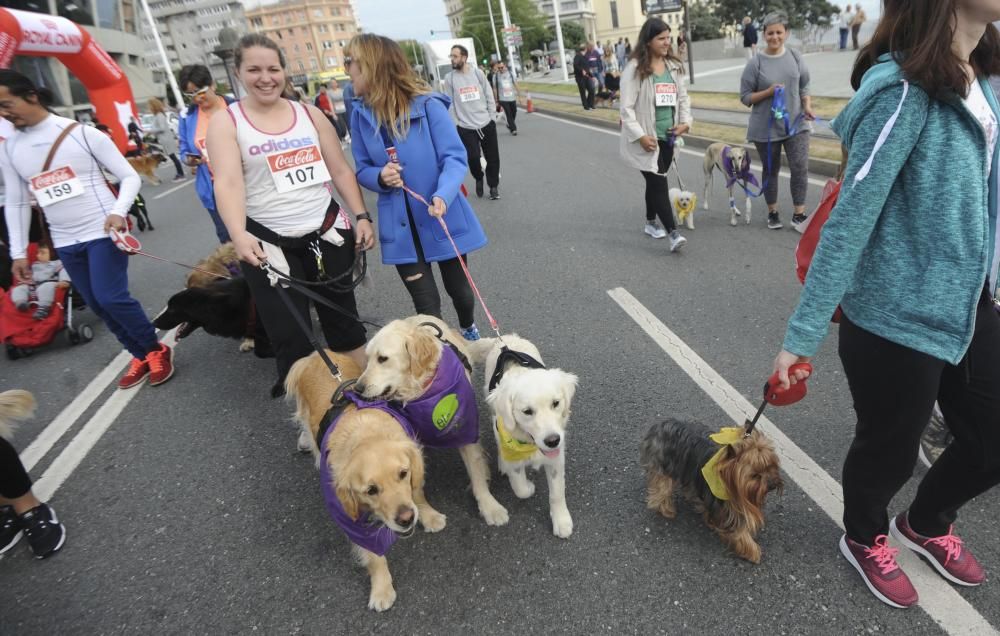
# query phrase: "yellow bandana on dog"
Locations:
[[511, 448], [727, 436], [684, 211]]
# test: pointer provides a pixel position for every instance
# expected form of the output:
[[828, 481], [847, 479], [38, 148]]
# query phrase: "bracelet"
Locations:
[[364, 216]]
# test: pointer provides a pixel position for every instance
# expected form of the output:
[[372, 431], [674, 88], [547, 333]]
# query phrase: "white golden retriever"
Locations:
[[403, 362], [531, 408]]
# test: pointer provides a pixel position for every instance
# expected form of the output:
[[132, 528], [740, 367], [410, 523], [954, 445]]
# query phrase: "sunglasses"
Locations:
[[347, 61], [198, 93]]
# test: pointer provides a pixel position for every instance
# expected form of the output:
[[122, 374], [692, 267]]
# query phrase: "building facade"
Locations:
[[189, 31], [623, 19], [453, 9], [580, 11], [114, 24], [311, 33]]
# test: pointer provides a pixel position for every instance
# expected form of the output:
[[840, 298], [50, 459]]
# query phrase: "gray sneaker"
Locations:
[[774, 221], [935, 439], [654, 229], [676, 241]]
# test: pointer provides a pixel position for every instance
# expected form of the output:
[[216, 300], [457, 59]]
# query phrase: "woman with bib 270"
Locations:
[[273, 191]]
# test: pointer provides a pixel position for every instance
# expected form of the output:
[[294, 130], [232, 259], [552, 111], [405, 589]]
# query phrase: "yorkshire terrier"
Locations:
[[674, 454]]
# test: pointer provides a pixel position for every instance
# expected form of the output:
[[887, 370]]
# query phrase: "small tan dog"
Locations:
[[15, 406], [734, 164], [146, 166], [418, 362], [371, 469]]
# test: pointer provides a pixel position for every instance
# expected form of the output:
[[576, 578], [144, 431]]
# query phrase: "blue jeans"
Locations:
[[99, 271], [843, 38], [220, 227]]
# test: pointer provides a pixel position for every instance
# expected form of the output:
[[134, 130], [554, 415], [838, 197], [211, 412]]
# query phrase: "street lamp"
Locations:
[[228, 39]]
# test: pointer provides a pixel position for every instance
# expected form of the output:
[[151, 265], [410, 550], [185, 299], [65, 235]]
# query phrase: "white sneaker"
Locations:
[[655, 230], [676, 241]]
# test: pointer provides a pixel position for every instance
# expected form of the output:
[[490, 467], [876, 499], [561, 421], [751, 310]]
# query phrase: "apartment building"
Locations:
[[189, 31]]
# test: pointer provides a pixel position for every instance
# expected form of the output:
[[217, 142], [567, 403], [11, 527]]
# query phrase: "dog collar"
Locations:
[[511, 448], [509, 355], [726, 437]]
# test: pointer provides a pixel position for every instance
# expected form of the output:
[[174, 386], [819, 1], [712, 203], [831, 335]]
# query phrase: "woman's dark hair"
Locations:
[[251, 40], [20, 86], [196, 74], [918, 34], [641, 52]]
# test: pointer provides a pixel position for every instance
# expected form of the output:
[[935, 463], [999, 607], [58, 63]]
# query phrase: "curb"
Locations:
[[817, 166]]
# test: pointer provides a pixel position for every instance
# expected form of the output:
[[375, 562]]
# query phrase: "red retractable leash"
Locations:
[[775, 394], [468, 275], [129, 244]]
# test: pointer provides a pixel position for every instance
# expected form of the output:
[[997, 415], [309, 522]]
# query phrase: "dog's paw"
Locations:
[[305, 443], [562, 524], [732, 220], [433, 521], [382, 599], [246, 345], [522, 488], [494, 513]]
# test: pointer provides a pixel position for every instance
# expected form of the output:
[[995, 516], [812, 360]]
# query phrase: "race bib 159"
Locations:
[[55, 185]]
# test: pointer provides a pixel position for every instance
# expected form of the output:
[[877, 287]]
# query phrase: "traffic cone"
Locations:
[[529, 106]]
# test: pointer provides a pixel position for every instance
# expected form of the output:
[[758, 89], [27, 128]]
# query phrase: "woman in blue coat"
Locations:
[[402, 133]]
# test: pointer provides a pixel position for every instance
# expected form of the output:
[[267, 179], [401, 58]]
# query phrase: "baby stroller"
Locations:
[[21, 333]]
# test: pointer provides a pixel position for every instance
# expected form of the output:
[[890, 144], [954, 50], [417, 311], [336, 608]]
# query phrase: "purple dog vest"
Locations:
[[446, 415], [364, 531]]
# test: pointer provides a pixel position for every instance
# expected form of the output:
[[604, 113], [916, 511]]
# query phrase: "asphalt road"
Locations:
[[194, 514]]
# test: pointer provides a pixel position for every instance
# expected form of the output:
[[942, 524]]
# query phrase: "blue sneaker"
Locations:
[[471, 333]]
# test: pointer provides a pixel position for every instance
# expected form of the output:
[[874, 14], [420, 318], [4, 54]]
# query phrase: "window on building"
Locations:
[[128, 16], [313, 64], [327, 44], [340, 27], [300, 66], [323, 28], [331, 61], [257, 22], [133, 60], [309, 46], [77, 12], [614, 14], [317, 13]]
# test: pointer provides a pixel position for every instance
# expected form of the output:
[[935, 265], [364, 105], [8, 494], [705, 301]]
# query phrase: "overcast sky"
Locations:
[[402, 19]]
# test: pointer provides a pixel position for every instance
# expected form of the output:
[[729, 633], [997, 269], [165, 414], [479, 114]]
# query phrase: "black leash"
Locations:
[[326, 302], [309, 332]]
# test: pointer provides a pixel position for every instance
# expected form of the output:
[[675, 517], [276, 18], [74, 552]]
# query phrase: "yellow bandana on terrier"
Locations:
[[727, 436], [684, 211], [511, 448]]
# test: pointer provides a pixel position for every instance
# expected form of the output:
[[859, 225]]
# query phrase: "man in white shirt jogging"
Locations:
[[81, 210], [473, 107]]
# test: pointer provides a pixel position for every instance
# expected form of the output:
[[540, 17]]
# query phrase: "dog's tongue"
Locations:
[[551, 453]]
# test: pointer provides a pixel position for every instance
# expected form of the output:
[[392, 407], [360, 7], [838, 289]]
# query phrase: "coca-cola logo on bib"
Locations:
[[293, 158], [53, 177]]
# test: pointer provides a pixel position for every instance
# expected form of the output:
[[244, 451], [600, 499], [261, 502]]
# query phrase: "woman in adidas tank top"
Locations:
[[274, 161]]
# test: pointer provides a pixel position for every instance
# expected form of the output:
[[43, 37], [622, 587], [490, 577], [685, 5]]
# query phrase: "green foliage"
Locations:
[[523, 13], [408, 47], [705, 24], [573, 34], [799, 12]]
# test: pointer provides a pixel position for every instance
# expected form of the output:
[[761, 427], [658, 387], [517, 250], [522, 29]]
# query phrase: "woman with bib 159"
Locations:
[[273, 191]]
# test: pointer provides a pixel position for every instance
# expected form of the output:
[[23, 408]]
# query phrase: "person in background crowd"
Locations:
[[164, 135], [196, 82], [505, 91], [655, 111], [620, 54], [610, 64], [774, 67], [403, 136], [289, 220], [81, 221], [628, 48], [336, 95], [846, 18], [595, 65], [749, 37], [859, 18], [473, 108], [914, 270], [581, 72]]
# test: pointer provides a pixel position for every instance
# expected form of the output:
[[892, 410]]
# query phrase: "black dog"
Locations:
[[223, 308], [141, 214]]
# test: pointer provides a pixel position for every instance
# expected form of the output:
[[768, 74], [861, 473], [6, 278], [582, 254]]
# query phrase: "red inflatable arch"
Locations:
[[39, 34]]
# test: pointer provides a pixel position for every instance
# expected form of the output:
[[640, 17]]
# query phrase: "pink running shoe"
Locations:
[[878, 568], [946, 553]]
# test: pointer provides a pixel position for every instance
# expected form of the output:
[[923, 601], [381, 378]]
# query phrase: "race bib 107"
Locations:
[[296, 169]]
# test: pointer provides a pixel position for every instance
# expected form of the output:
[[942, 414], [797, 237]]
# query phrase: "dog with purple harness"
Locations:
[[734, 163]]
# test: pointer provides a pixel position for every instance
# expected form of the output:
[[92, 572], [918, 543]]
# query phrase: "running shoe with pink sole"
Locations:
[[880, 572], [946, 553]]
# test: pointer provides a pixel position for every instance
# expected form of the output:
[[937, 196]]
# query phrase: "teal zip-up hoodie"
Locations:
[[910, 242]]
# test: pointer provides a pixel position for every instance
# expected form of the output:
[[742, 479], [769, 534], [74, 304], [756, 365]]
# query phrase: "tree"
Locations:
[[523, 13], [801, 13], [409, 49], [573, 34], [705, 23]]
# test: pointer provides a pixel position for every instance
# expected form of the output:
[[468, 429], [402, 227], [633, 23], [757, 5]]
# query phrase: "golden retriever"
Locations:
[[376, 467], [403, 358]]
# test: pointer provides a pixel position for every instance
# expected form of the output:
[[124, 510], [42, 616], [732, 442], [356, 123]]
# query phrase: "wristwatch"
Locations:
[[364, 216]]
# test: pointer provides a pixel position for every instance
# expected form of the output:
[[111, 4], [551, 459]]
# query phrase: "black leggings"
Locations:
[[177, 165], [419, 280], [657, 189], [894, 389], [484, 139], [14, 480], [342, 332]]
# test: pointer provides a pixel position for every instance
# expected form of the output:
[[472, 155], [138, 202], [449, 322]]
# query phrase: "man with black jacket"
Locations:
[[581, 71]]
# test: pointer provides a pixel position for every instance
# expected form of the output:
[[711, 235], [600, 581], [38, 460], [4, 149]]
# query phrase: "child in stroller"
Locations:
[[46, 276]]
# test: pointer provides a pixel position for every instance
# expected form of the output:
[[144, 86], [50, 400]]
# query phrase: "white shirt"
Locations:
[[980, 108], [85, 150]]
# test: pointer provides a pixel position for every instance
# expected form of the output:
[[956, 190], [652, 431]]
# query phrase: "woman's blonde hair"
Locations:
[[392, 84], [156, 106]]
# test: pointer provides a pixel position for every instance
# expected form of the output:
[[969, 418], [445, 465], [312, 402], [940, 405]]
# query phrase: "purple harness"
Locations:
[[739, 172], [363, 531]]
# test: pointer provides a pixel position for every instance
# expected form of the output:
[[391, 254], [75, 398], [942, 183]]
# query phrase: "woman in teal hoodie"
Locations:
[[910, 255]]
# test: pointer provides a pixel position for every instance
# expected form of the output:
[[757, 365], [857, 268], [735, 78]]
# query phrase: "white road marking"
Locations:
[[719, 71], [687, 151], [69, 415], [74, 453], [940, 600], [174, 189]]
